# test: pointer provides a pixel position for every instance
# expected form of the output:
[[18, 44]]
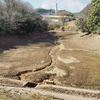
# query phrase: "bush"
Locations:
[[81, 24], [57, 26], [98, 30], [53, 26]]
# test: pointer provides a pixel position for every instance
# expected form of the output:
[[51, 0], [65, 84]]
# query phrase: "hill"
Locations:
[[64, 12], [45, 11], [52, 12], [83, 14]]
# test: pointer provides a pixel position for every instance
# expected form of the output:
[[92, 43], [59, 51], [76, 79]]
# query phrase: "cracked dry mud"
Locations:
[[69, 61]]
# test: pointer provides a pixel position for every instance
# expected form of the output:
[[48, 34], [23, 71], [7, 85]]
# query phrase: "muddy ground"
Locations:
[[65, 58]]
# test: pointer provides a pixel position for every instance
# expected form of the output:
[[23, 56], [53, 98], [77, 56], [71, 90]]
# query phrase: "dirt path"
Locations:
[[55, 95], [64, 96], [69, 92]]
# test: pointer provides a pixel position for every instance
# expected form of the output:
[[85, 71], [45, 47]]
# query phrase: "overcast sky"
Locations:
[[69, 5]]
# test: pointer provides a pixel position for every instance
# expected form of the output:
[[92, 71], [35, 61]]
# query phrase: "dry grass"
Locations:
[[9, 96], [84, 74], [71, 26]]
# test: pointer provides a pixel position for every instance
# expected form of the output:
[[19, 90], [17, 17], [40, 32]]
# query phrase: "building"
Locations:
[[55, 18]]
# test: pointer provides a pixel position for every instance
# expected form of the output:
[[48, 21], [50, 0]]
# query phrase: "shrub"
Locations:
[[98, 30], [57, 26], [81, 24], [53, 26]]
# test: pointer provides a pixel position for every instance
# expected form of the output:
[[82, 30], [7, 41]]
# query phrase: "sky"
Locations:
[[69, 5]]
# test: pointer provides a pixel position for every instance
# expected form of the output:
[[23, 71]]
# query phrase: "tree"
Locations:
[[16, 17], [45, 11], [65, 16], [64, 13], [93, 22]]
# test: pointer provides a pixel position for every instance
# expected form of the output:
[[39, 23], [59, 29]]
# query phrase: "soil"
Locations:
[[65, 58]]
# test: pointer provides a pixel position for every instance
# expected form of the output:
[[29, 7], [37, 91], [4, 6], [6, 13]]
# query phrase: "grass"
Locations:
[[86, 73], [5, 53], [9, 96]]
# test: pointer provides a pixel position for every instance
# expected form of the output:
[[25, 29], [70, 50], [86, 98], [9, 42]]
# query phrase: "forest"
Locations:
[[17, 17]]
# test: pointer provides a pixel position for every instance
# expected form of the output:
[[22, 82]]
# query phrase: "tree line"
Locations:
[[45, 11], [18, 17]]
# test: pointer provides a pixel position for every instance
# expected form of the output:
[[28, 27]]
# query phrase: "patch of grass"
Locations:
[[5, 53]]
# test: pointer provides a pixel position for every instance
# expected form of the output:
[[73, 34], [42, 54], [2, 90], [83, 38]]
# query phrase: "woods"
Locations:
[[17, 17]]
